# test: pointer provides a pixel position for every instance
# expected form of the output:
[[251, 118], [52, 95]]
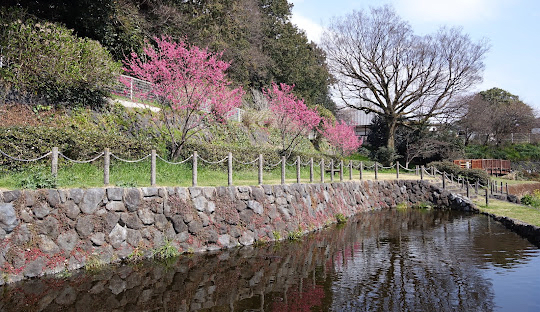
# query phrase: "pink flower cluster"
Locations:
[[341, 136], [188, 77], [291, 113], [293, 118]]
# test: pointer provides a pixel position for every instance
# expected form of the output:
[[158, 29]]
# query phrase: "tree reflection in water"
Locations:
[[411, 260]]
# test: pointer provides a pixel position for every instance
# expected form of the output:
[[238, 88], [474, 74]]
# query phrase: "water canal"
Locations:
[[398, 260]]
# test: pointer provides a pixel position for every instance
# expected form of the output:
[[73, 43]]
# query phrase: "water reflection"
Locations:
[[410, 260]]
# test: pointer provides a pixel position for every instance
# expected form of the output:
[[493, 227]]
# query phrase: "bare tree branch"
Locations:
[[383, 68]]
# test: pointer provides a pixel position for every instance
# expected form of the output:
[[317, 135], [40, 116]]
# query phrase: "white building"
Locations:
[[357, 118]]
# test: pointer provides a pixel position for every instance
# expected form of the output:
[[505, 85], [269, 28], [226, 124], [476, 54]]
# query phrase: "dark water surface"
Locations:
[[412, 260]]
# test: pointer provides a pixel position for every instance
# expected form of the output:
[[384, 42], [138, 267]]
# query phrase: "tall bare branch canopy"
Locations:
[[383, 67]]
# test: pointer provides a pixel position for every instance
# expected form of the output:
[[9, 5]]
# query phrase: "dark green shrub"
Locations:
[[472, 175], [532, 199], [512, 152], [79, 144], [446, 166], [385, 155], [48, 60]]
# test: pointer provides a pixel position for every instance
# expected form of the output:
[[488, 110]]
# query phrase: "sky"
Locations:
[[512, 28]]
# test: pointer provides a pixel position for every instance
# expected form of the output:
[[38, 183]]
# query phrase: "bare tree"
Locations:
[[423, 143], [494, 114], [476, 120], [384, 68]]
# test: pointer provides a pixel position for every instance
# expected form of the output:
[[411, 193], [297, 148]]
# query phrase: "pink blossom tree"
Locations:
[[341, 136], [190, 85], [293, 118]]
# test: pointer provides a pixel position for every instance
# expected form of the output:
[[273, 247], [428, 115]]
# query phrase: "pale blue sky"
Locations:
[[511, 26]]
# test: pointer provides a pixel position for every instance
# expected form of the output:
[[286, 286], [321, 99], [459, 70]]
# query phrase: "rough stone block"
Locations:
[[117, 236], [146, 216], [211, 207], [241, 206], [133, 237], [53, 198], [182, 193], [285, 212], [64, 194], [109, 220], [85, 226], [281, 201], [200, 203], [49, 226], [247, 238], [194, 192], [224, 240], [76, 195], [29, 198], [115, 206], [98, 239], [34, 268], [67, 241], [47, 245], [91, 200], [182, 237], [132, 198], [10, 196], [211, 236], [267, 189], [131, 220], [8, 218], [188, 217], [255, 206], [195, 226], [160, 221], [258, 193], [209, 192], [149, 191], [204, 219], [115, 193]]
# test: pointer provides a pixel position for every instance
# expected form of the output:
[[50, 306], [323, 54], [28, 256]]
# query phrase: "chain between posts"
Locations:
[[421, 170]]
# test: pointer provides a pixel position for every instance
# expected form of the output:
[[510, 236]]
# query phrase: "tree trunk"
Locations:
[[392, 125]]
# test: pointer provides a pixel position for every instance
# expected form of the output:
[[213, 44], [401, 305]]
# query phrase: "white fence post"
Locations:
[[261, 163], [194, 170], [54, 161], [153, 168], [106, 165], [229, 169]]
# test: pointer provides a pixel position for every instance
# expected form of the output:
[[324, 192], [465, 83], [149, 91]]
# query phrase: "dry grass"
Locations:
[[523, 189], [22, 115]]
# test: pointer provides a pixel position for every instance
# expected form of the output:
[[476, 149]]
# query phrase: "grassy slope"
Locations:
[[529, 215]]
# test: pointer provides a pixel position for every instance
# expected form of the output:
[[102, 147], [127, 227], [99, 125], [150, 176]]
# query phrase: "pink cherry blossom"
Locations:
[[292, 116], [190, 84], [341, 136]]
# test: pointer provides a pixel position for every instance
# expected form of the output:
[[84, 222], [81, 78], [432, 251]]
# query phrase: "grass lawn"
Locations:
[[512, 182], [529, 215], [138, 174]]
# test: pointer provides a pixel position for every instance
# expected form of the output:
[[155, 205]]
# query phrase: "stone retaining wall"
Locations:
[[49, 231]]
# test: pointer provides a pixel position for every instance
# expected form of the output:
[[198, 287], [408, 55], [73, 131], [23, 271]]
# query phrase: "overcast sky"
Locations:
[[511, 26]]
